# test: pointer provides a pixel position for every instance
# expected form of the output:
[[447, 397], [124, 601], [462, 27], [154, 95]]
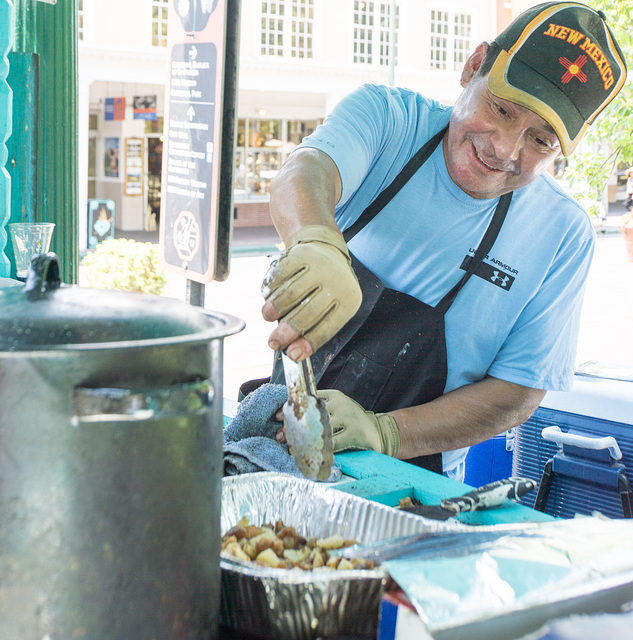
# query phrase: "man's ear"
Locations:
[[473, 63]]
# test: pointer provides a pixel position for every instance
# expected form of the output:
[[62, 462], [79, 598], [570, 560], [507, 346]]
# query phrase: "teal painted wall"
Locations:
[[6, 101]]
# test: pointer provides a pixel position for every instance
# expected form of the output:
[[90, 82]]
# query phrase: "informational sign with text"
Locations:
[[196, 210]]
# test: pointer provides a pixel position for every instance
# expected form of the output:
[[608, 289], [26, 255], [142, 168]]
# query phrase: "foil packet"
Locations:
[[508, 586]]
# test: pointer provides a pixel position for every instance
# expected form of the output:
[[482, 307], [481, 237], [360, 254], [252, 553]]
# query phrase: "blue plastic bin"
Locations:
[[489, 461]]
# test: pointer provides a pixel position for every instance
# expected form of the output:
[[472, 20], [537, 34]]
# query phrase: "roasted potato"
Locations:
[[281, 546]]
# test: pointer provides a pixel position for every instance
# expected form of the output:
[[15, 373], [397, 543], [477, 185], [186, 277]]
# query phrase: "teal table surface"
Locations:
[[377, 477], [382, 479]]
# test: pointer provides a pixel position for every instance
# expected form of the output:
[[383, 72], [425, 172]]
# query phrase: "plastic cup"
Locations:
[[29, 239]]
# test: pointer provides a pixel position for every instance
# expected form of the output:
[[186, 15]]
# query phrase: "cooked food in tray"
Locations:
[[282, 547]]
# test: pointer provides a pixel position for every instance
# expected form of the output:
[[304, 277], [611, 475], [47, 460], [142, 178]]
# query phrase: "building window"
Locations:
[[462, 30], [154, 126], [302, 19], [272, 28], [287, 33], [159, 23], [385, 34], [450, 39], [261, 149], [80, 19], [372, 24], [363, 31], [439, 39]]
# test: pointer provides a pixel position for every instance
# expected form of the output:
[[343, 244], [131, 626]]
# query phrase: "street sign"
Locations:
[[198, 157]]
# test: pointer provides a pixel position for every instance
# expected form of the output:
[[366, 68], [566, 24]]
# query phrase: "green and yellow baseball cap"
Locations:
[[560, 60]]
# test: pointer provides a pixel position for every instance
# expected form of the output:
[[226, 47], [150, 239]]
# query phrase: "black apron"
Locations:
[[392, 353]]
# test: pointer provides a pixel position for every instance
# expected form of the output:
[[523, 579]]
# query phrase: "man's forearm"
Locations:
[[464, 417], [312, 289], [304, 193]]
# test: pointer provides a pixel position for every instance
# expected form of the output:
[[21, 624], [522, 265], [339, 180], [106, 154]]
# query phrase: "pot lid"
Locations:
[[46, 314]]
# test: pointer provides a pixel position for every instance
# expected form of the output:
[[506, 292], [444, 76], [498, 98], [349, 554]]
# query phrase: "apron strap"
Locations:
[[482, 251], [409, 169]]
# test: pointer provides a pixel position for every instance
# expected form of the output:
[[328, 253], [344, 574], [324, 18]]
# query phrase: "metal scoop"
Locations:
[[308, 429]]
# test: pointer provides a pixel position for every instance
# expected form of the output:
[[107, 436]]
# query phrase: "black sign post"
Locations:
[[196, 201]]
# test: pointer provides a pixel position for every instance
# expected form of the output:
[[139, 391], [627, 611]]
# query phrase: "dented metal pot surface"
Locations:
[[110, 463]]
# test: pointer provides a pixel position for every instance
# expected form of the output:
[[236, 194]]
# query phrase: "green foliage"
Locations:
[[124, 264], [588, 173]]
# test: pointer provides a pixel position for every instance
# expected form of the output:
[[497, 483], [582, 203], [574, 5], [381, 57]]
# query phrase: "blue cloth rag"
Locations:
[[249, 439]]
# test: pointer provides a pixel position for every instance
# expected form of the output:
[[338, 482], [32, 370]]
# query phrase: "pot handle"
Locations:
[[42, 276], [133, 405]]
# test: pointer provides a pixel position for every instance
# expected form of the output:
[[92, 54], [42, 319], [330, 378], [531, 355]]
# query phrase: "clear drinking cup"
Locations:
[[29, 239]]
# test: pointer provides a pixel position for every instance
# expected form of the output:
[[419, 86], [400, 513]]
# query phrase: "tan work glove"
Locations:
[[313, 286], [355, 428]]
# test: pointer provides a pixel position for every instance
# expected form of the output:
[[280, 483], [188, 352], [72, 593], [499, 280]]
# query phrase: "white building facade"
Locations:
[[297, 58]]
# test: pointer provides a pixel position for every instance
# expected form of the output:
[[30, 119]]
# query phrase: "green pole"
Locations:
[[43, 146], [56, 41], [6, 22]]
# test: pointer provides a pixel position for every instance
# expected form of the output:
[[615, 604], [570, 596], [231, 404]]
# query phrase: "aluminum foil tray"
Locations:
[[305, 605]]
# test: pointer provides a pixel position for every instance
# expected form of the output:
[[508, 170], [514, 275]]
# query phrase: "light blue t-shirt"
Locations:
[[521, 323]]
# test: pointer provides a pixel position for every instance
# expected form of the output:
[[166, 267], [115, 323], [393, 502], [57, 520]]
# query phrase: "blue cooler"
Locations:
[[579, 447], [490, 460]]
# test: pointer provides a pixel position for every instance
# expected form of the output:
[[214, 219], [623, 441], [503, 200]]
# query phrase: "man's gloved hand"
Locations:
[[313, 286], [355, 428]]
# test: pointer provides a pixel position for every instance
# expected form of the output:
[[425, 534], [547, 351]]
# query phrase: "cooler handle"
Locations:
[[554, 434]]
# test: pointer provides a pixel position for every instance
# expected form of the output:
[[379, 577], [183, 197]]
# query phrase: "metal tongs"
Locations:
[[308, 429], [448, 543]]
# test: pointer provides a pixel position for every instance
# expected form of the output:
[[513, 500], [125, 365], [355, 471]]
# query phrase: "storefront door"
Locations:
[[154, 167]]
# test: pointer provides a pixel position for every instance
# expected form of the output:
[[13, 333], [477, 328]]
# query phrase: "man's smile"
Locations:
[[499, 166], [484, 162]]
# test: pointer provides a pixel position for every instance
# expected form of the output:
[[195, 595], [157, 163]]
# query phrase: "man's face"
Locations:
[[494, 146]]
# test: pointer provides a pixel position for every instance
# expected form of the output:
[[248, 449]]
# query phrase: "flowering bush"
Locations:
[[124, 264]]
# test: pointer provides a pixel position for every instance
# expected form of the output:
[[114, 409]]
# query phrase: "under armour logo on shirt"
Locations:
[[500, 280], [491, 274]]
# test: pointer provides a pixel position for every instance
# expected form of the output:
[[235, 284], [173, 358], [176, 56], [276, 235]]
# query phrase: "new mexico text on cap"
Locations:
[[560, 60]]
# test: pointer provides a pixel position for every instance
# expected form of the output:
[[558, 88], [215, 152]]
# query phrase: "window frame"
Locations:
[[284, 45], [457, 47], [249, 184], [162, 38], [372, 49]]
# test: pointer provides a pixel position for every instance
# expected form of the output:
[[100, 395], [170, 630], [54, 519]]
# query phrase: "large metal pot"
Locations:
[[110, 463]]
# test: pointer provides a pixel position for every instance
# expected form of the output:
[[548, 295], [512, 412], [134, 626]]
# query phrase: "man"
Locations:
[[434, 271]]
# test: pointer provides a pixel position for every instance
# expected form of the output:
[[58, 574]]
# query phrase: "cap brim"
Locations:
[[503, 84]]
